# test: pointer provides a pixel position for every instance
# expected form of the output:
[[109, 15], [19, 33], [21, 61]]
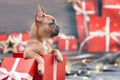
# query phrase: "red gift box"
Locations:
[[17, 68], [53, 69], [68, 44], [103, 35], [111, 8]]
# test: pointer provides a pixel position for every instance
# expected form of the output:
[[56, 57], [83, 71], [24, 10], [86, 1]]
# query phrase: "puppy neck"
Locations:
[[34, 35]]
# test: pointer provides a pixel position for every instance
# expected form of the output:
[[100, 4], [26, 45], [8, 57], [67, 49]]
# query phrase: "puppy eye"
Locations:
[[52, 24], [43, 15]]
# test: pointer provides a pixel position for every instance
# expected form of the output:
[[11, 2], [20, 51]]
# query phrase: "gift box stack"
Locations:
[[98, 31], [18, 68]]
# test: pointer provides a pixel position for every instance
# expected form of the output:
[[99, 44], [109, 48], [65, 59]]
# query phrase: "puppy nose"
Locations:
[[55, 31]]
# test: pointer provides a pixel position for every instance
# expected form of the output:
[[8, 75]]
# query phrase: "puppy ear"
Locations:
[[40, 13]]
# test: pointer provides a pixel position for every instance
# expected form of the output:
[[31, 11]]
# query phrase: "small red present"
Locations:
[[53, 69], [104, 35], [17, 69], [111, 8], [68, 44], [25, 36]]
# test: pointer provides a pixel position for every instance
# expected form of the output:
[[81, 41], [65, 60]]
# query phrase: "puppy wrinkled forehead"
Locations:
[[51, 18]]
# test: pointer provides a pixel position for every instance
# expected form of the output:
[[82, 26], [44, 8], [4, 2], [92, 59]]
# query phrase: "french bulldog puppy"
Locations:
[[43, 28]]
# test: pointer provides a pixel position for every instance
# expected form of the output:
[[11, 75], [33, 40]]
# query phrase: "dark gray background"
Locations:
[[18, 15]]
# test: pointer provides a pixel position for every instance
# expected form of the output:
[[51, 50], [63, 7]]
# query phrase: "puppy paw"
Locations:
[[58, 55], [40, 69], [59, 58]]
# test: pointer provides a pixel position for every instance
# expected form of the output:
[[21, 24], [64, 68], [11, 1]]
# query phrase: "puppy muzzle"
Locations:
[[55, 31]]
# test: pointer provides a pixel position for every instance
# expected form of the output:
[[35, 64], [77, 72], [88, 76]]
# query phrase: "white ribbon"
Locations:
[[100, 33], [55, 69], [107, 33], [66, 44], [112, 6], [13, 74]]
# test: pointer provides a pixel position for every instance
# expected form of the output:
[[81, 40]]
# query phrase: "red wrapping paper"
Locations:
[[25, 36], [68, 44], [81, 26], [24, 66], [3, 37]]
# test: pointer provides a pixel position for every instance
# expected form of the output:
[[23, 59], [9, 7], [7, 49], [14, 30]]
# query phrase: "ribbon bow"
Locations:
[[11, 75]]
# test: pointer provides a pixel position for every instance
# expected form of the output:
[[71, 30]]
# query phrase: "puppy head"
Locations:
[[46, 26]]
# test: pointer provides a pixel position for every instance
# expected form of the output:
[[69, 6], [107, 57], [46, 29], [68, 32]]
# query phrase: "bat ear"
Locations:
[[40, 13]]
